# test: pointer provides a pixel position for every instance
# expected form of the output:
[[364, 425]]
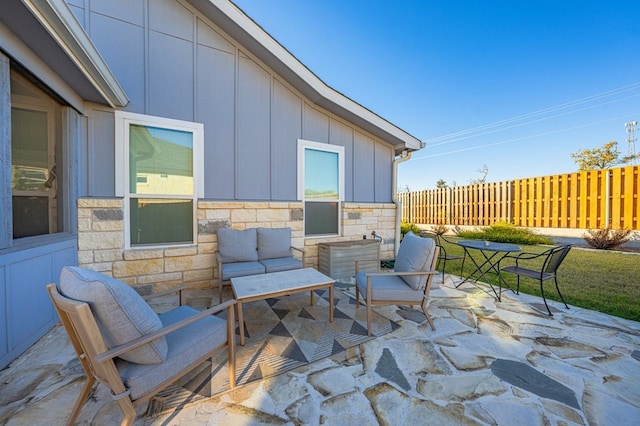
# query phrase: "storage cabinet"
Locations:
[[338, 259]]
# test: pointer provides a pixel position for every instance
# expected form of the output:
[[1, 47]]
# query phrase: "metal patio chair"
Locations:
[[552, 259], [444, 255]]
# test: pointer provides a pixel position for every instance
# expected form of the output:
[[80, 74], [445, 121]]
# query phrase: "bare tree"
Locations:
[[484, 170]]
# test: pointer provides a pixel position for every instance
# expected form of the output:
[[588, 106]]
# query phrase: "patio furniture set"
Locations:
[[122, 343]]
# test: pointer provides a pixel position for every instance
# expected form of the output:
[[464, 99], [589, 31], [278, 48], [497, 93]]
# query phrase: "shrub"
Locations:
[[439, 229], [409, 227], [503, 232], [607, 238]]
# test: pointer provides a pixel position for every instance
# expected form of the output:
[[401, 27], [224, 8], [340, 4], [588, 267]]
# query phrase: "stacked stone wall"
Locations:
[[101, 240]]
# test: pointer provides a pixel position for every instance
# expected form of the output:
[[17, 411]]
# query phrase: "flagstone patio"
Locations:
[[488, 362]]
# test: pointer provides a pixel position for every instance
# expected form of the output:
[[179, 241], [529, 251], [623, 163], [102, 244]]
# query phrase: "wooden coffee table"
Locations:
[[275, 284]]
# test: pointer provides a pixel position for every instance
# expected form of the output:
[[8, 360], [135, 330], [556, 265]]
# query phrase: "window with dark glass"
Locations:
[[34, 146]]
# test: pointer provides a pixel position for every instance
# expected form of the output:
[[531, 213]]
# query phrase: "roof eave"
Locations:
[[59, 21]]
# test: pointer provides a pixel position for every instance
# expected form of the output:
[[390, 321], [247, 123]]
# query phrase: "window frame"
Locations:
[[303, 146], [122, 122]]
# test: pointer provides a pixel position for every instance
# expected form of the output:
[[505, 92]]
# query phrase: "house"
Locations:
[[131, 130]]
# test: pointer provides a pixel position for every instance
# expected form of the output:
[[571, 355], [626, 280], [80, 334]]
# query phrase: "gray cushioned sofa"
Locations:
[[255, 251]]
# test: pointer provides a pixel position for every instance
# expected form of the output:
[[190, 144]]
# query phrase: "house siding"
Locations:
[[181, 66]]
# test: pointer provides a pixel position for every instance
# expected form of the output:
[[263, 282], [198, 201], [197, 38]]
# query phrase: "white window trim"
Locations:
[[122, 122], [303, 144]]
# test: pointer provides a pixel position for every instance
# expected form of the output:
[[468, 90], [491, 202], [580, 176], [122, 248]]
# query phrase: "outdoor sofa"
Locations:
[[255, 251]]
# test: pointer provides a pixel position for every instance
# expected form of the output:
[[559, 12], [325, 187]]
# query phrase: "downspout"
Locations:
[[404, 156]]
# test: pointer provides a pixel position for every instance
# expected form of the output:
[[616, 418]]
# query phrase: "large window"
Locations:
[[159, 165], [35, 149], [321, 186]]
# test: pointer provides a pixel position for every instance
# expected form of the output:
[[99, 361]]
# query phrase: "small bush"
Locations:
[[439, 229], [607, 238], [504, 232], [409, 227]]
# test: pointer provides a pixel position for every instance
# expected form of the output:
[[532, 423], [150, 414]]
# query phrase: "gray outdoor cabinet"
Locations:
[[338, 259]]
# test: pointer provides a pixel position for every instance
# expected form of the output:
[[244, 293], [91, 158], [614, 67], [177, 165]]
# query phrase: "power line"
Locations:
[[522, 138], [457, 135]]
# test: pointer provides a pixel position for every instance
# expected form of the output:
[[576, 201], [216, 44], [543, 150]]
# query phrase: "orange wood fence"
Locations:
[[584, 200]]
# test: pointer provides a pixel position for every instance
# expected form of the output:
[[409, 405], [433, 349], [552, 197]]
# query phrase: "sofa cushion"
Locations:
[[274, 243], [281, 264], [238, 246], [186, 346], [415, 255], [121, 313], [241, 269]]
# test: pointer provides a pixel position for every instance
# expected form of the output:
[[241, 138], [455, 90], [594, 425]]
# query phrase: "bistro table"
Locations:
[[492, 253]]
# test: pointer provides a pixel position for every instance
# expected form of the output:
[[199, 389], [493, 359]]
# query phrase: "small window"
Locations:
[[321, 187], [158, 164]]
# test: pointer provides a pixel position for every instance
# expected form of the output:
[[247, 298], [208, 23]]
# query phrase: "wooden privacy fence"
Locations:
[[585, 200]]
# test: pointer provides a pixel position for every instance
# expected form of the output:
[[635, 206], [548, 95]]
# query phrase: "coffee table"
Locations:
[[274, 284]]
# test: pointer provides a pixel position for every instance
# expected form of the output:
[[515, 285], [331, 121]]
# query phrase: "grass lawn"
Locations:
[[605, 281]]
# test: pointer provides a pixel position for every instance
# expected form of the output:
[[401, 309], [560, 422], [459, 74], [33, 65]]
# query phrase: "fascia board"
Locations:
[[60, 22]]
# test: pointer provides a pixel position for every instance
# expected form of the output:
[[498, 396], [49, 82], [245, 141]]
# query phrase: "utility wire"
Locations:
[[533, 121], [455, 135], [522, 138]]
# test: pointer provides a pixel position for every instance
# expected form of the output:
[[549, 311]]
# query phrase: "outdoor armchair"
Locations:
[[550, 261], [122, 343], [408, 284]]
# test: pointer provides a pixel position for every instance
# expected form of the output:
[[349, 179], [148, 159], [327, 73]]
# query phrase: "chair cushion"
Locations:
[[415, 255], [241, 269], [121, 313], [238, 246], [186, 346], [281, 264], [274, 243], [391, 288]]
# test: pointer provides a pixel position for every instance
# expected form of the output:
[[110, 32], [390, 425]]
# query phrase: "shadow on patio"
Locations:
[[487, 362]]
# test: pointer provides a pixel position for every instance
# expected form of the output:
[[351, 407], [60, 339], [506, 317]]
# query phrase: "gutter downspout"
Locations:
[[404, 156]]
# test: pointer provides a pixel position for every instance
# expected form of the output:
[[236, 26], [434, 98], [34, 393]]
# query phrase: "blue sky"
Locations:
[[455, 74]]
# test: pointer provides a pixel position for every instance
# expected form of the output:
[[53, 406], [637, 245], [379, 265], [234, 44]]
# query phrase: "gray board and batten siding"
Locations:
[[174, 62]]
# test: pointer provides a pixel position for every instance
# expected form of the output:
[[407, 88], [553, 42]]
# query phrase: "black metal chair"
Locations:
[[443, 256], [552, 260]]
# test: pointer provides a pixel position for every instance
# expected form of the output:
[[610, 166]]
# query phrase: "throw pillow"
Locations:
[[121, 313]]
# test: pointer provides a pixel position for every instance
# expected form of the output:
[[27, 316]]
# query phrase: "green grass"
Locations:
[[604, 281]]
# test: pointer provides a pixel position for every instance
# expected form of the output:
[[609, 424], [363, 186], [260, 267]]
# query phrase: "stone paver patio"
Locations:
[[488, 362]]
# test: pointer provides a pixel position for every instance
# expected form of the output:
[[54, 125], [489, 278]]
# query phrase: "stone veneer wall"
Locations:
[[101, 240]]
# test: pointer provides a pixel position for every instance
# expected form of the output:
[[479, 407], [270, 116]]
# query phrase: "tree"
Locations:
[[485, 171], [604, 157], [441, 183]]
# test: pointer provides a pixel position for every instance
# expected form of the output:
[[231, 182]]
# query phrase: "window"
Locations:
[[321, 186], [159, 164], [35, 148]]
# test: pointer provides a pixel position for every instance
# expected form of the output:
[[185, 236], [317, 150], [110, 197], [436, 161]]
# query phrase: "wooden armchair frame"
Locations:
[[422, 295], [97, 359]]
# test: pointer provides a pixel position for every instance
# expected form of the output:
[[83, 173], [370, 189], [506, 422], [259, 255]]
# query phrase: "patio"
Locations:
[[487, 363]]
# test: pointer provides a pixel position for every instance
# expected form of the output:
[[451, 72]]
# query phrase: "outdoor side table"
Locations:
[[492, 253]]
